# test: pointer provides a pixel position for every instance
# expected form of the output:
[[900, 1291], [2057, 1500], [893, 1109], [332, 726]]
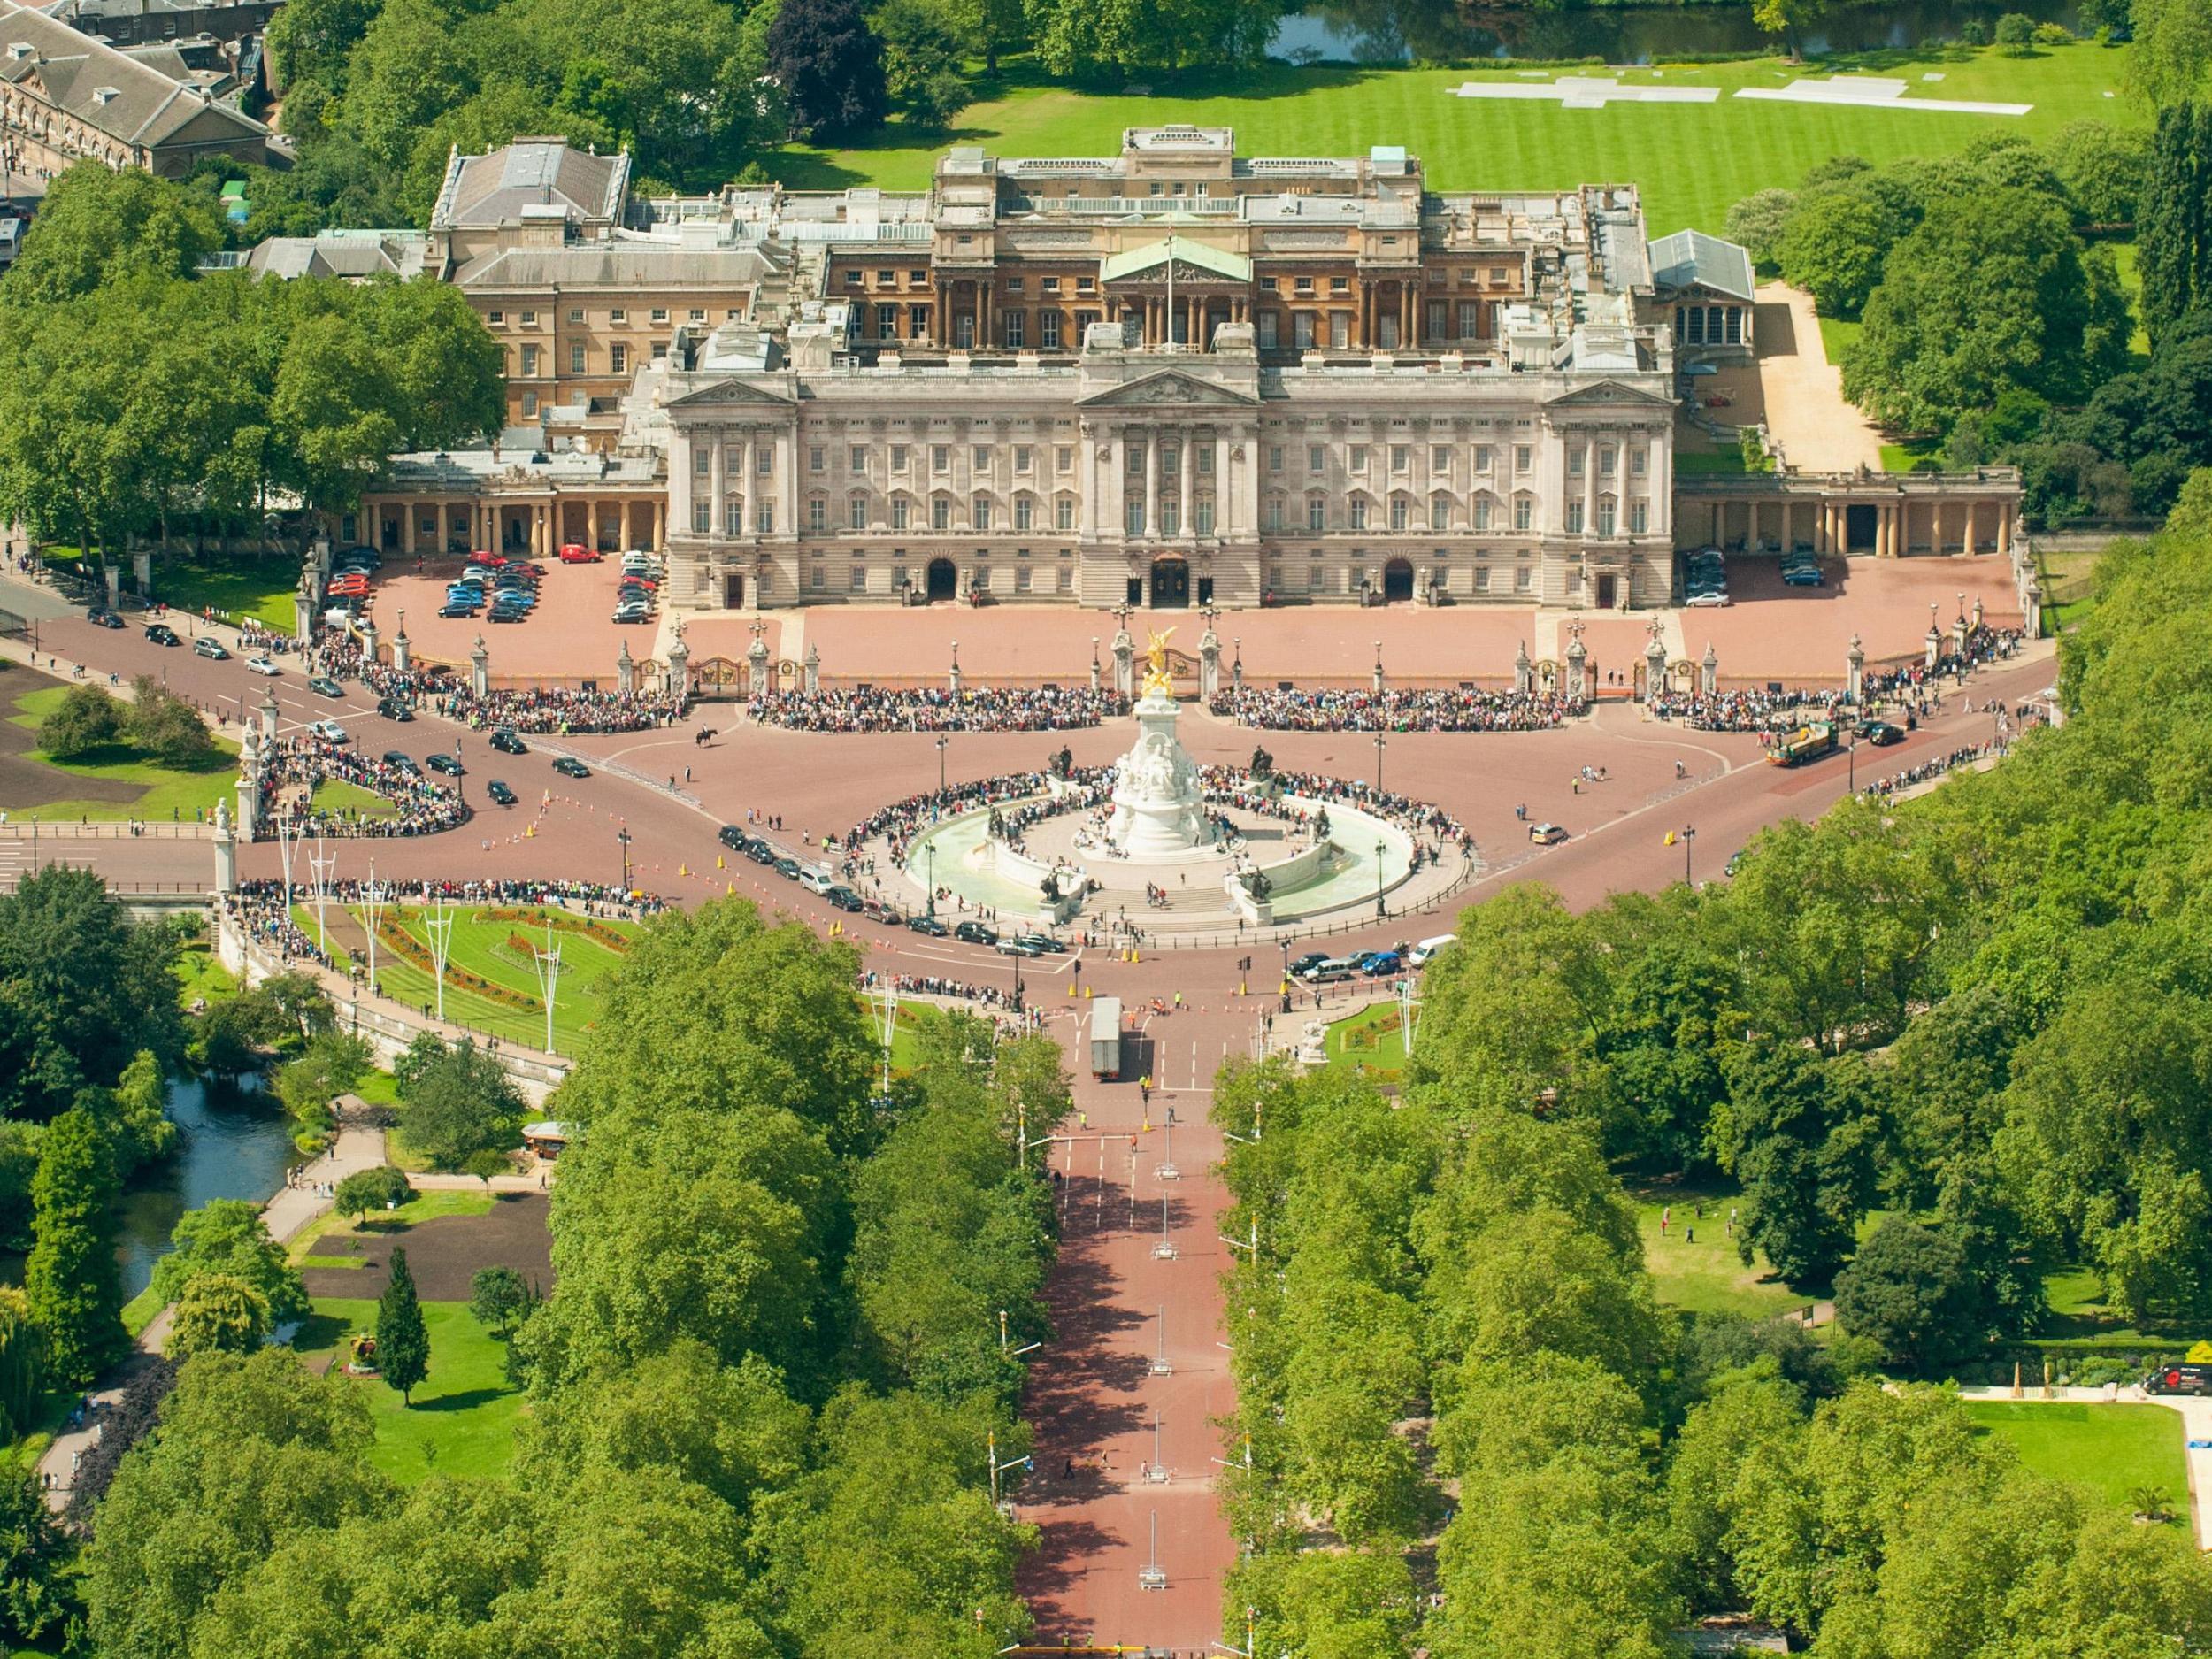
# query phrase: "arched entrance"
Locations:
[[1171, 584], [944, 581], [1398, 582]]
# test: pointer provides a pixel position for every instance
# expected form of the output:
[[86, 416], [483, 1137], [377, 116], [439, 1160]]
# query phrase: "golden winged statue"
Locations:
[[1156, 648]]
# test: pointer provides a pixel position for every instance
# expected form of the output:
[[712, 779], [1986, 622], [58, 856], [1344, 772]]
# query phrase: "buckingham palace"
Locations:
[[1172, 376]]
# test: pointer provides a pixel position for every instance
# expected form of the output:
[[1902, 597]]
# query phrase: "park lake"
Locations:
[[1395, 32], [231, 1143]]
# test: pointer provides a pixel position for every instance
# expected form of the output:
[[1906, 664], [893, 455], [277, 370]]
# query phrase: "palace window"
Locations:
[[818, 457], [1316, 512], [1605, 515], [980, 460], [1024, 511], [765, 517], [1440, 512], [898, 512], [1574, 517], [764, 458], [1482, 457], [817, 514], [1063, 514], [1048, 330], [1171, 517], [576, 358], [1523, 512], [940, 514], [1317, 459], [1397, 513], [1205, 511], [1482, 512], [618, 359], [1638, 518], [1359, 513], [856, 459], [1133, 518], [1524, 457], [734, 516], [856, 512]]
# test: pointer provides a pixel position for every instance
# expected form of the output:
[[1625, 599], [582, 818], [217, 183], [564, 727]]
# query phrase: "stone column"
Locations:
[[115, 587], [142, 570], [407, 527], [1524, 671], [625, 672], [756, 665], [680, 664], [1578, 670], [303, 616], [1958, 636], [1186, 474], [1228, 520], [226, 850], [2005, 527], [401, 649], [479, 670], [1854, 670], [1209, 666], [660, 526], [813, 670], [1655, 668], [1124, 659], [715, 483], [368, 640], [1932, 647], [952, 674], [1709, 671], [1151, 483]]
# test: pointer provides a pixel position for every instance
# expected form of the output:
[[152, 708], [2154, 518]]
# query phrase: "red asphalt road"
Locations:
[[1092, 1392]]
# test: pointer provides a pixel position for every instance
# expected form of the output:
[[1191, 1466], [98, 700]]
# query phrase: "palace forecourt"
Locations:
[[1175, 376]]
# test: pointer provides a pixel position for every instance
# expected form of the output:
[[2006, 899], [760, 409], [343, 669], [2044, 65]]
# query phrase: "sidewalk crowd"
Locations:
[[1359, 709], [921, 708]]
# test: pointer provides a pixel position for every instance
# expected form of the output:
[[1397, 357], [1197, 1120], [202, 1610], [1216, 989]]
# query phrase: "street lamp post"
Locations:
[[942, 743], [1689, 834], [1379, 746], [929, 861], [1380, 908], [622, 837], [1851, 765]]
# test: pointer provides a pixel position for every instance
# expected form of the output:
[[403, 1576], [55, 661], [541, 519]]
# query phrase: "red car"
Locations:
[[640, 581], [576, 553], [529, 567], [349, 585]]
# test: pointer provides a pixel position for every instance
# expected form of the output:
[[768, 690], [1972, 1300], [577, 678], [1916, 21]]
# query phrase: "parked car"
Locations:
[[1802, 576], [453, 608], [974, 933], [843, 897], [501, 794], [929, 925], [2179, 1380], [403, 760], [730, 837], [1376, 964], [211, 649], [788, 867], [1019, 946], [1709, 600], [442, 762], [760, 852], [1045, 942], [1330, 971], [575, 553], [104, 619], [1312, 958], [632, 611], [263, 666], [323, 686], [569, 767], [1546, 834], [329, 731], [507, 613], [506, 742]]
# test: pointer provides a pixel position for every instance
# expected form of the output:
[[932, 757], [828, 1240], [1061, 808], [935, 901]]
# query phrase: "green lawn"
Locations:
[[335, 794], [1374, 1038], [1704, 1274], [168, 791], [482, 948], [1692, 160], [2113, 1450], [465, 1414], [1909, 457], [200, 975], [241, 588]]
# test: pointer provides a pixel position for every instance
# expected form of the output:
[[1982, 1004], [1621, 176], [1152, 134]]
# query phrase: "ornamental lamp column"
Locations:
[[680, 663], [402, 651], [1708, 673], [1855, 672], [1524, 671], [479, 670], [268, 712], [625, 672], [226, 850], [813, 670], [1654, 666]]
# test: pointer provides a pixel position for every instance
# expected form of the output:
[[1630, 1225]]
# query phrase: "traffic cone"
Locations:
[[682, 871], [1070, 987], [1242, 991], [720, 863]]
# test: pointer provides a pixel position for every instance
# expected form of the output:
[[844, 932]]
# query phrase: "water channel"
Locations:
[[1400, 31]]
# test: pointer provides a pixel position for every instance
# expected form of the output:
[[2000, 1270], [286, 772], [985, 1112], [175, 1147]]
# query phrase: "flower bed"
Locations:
[[411, 949], [590, 927]]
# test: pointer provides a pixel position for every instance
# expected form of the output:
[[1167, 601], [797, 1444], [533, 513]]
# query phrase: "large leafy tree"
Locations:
[[2174, 236], [76, 1296], [1993, 290], [829, 64], [460, 1103], [100, 224], [227, 1236]]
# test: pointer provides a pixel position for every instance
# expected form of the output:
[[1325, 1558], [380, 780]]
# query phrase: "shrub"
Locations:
[[87, 720], [2015, 34], [1974, 31]]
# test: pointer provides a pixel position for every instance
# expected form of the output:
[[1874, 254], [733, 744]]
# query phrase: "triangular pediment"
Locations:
[[1609, 392], [731, 391], [1168, 385]]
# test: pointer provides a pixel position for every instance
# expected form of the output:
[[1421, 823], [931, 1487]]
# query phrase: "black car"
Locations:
[[1020, 945], [1311, 959], [501, 794], [104, 619], [507, 743], [1881, 734], [975, 933], [843, 898], [162, 634], [2179, 1380], [1044, 944], [456, 608], [569, 767], [787, 868], [326, 688], [445, 762], [929, 925], [732, 837], [503, 613], [402, 761], [760, 852]]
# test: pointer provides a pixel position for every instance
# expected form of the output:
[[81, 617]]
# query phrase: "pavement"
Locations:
[[2196, 1418], [1796, 389]]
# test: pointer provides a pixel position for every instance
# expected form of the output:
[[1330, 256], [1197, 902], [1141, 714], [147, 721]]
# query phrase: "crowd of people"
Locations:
[[1934, 766], [262, 913], [922, 709], [1361, 708], [1284, 796], [1749, 710], [587, 898], [551, 710], [290, 776]]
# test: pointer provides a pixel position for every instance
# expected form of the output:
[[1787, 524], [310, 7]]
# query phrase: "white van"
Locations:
[[1333, 972], [816, 881], [1424, 952]]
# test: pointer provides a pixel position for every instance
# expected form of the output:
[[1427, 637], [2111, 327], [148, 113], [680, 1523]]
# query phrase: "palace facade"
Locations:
[[1172, 376]]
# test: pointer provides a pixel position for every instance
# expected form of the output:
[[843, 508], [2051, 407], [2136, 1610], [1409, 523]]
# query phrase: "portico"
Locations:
[[1886, 516]]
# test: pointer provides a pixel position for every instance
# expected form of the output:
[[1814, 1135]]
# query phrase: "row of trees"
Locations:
[[137, 397], [1980, 1011], [1943, 1009], [761, 1396]]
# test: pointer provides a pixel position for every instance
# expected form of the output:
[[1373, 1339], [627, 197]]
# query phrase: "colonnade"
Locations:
[[546, 525], [1888, 525]]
